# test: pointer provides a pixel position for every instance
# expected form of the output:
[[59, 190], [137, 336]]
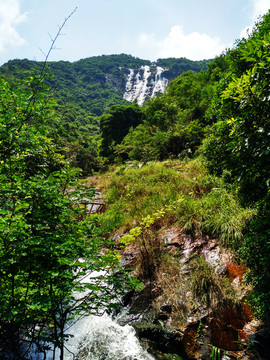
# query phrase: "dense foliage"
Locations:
[[239, 141], [85, 90], [174, 121], [237, 146], [116, 124], [176, 66], [46, 248], [95, 84]]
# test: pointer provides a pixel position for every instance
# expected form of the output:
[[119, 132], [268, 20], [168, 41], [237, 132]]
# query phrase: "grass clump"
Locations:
[[216, 213], [173, 287], [208, 288]]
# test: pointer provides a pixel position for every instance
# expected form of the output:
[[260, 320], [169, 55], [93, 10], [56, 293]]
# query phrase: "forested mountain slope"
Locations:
[[96, 83], [89, 87]]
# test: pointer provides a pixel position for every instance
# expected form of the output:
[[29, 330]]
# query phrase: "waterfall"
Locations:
[[144, 83], [160, 82], [137, 85], [129, 84], [100, 338]]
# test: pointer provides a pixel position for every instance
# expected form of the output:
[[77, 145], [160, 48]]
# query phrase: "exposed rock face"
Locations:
[[227, 324], [144, 83]]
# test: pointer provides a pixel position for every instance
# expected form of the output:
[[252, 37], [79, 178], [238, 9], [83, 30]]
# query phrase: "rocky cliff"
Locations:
[[177, 325]]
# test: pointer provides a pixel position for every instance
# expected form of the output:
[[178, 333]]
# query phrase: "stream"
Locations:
[[100, 338]]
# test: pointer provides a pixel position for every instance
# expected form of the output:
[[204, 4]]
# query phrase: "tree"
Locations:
[[239, 144], [46, 248], [239, 141], [174, 121], [116, 124]]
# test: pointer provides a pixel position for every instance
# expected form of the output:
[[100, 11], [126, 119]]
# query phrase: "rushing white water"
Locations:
[[160, 83], [103, 338], [137, 85], [144, 83], [100, 338], [128, 95]]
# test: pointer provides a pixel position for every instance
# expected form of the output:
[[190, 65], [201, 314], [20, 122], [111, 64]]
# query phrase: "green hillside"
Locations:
[[95, 84], [85, 90], [221, 114]]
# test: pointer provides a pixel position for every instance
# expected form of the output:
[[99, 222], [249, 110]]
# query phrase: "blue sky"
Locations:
[[148, 29]]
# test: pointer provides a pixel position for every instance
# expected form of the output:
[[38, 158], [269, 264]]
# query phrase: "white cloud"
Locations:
[[10, 17], [260, 7], [194, 46]]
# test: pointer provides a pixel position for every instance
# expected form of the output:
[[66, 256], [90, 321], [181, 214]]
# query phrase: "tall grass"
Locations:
[[217, 213], [210, 289], [193, 199]]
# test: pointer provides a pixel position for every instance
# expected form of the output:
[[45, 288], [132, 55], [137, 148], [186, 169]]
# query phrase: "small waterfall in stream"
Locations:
[[100, 338]]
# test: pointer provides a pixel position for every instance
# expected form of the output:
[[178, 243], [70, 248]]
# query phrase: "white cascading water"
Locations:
[[100, 338], [160, 83], [142, 84], [137, 85], [129, 95]]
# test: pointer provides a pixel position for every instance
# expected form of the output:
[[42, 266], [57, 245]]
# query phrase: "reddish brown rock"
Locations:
[[225, 329], [235, 270], [189, 340], [225, 326]]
